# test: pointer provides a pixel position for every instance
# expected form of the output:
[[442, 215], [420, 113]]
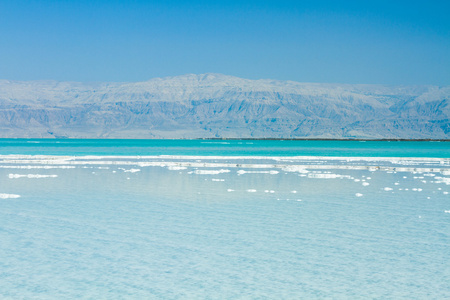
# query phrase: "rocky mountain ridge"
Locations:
[[215, 105]]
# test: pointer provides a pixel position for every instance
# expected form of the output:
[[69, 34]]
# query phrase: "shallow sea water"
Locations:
[[223, 227]]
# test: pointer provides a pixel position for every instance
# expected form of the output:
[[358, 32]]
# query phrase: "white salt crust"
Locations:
[[9, 196]]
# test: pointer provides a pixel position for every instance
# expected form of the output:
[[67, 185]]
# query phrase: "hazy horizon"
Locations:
[[217, 74]]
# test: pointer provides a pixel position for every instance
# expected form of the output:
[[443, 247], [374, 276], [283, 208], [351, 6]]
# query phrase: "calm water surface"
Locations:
[[224, 228], [222, 147]]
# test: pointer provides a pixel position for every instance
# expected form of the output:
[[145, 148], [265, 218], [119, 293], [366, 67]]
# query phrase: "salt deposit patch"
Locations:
[[9, 196], [445, 180], [298, 200], [269, 191], [327, 176], [211, 172], [222, 143], [299, 169], [272, 172], [130, 170], [176, 168], [31, 176], [37, 167]]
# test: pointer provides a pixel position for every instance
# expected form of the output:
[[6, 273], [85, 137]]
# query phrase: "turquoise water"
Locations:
[[228, 147], [223, 223]]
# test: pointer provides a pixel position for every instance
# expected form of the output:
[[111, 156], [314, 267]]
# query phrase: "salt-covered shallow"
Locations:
[[220, 227]]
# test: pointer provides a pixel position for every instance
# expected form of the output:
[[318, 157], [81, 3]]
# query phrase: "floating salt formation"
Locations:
[[272, 172], [132, 170], [31, 176], [176, 168], [211, 172], [8, 196]]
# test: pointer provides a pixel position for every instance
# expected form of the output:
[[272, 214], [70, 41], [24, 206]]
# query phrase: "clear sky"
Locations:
[[388, 42]]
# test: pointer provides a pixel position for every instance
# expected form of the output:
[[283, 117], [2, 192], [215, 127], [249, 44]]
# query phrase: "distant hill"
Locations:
[[215, 105]]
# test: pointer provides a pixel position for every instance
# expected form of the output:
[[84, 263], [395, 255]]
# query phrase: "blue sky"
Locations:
[[388, 42]]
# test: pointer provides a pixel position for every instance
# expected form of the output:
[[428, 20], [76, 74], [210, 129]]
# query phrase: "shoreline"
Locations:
[[242, 139], [329, 139]]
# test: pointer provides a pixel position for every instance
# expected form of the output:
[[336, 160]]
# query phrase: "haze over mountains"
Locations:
[[220, 106]]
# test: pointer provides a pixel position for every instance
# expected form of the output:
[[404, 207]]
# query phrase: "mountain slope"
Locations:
[[214, 105]]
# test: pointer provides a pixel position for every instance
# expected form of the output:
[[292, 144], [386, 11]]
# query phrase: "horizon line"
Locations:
[[218, 74]]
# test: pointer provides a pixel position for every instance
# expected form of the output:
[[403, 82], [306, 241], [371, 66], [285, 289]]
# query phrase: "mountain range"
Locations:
[[221, 106]]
